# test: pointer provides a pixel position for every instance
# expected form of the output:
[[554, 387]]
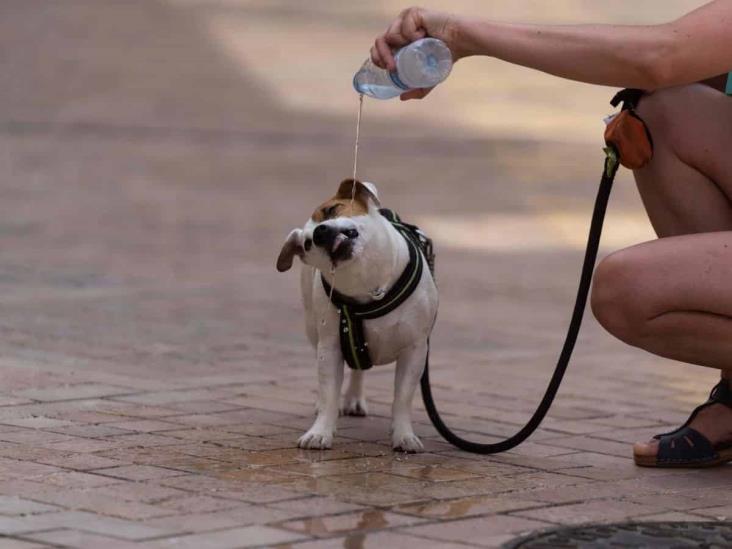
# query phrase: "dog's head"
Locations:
[[337, 232]]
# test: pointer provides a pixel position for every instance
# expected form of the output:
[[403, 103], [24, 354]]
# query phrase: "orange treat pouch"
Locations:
[[629, 136]]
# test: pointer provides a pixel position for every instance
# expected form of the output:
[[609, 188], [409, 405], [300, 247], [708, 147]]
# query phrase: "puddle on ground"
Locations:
[[453, 509], [339, 466], [289, 455], [435, 473], [338, 524], [316, 485], [463, 507], [254, 475], [191, 464], [354, 541]]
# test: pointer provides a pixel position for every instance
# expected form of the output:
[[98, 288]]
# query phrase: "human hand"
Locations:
[[410, 25]]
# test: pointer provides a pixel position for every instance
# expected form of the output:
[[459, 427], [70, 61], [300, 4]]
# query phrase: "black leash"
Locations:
[[593, 243], [628, 136]]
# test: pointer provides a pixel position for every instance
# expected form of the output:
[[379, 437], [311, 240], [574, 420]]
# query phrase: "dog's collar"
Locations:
[[352, 313]]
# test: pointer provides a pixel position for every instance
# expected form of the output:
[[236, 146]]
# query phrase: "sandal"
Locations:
[[687, 447]]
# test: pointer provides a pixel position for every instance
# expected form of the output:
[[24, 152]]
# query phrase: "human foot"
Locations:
[[706, 438]]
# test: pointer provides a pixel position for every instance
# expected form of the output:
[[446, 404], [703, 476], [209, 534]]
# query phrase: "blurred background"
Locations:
[[154, 369], [155, 153]]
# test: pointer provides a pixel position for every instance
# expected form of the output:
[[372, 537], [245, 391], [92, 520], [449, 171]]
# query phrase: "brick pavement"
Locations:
[[155, 374]]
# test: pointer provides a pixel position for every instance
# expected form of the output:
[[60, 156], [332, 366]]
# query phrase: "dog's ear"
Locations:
[[290, 249], [371, 188], [365, 191]]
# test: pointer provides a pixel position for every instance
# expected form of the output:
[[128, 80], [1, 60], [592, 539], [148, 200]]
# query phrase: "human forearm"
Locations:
[[695, 47], [620, 56]]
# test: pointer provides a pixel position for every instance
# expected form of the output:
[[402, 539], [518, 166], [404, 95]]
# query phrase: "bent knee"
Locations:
[[616, 301], [659, 103], [667, 110]]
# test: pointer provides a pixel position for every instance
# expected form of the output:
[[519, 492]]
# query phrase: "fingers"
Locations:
[[385, 55], [419, 93], [394, 36], [406, 28], [381, 53], [412, 25], [376, 57]]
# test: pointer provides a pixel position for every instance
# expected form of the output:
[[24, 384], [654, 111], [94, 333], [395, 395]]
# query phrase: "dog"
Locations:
[[351, 244]]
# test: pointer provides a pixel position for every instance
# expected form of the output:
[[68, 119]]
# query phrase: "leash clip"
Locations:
[[612, 161]]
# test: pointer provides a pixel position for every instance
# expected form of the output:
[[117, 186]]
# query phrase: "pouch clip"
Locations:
[[627, 133]]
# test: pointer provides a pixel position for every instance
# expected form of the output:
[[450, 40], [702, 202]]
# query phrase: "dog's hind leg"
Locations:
[[409, 367], [354, 401], [330, 380]]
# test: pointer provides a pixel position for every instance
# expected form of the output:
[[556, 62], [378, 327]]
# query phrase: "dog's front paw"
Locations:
[[406, 442], [354, 406], [315, 440]]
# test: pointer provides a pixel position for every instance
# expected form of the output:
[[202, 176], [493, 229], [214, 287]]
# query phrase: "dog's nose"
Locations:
[[323, 235]]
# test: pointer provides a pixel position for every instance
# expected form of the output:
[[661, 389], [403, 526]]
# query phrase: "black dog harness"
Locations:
[[352, 314]]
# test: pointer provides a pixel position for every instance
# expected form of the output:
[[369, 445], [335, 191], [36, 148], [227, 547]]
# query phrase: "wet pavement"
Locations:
[[155, 371]]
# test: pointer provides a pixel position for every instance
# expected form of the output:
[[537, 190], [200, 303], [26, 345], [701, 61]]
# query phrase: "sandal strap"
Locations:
[[721, 394], [687, 447]]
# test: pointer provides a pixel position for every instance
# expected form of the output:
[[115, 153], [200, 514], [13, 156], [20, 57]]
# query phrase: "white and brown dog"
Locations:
[[367, 255]]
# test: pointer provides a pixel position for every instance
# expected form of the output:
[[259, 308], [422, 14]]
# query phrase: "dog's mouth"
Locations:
[[342, 247], [338, 241]]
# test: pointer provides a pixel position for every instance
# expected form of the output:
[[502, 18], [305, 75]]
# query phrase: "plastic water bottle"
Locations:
[[422, 64]]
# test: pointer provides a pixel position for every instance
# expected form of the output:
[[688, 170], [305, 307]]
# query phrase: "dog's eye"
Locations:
[[330, 211], [308, 244]]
